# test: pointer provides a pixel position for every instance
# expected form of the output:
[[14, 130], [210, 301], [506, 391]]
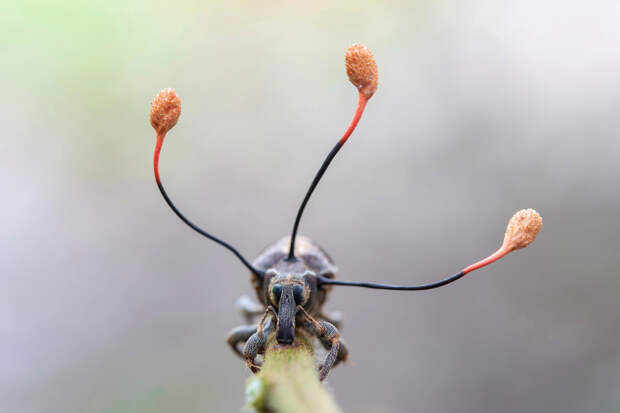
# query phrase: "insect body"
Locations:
[[293, 277], [292, 300]]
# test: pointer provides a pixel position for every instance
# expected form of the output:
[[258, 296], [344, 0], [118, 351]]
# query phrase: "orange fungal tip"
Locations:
[[522, 229], [165, 111], [362, 69]]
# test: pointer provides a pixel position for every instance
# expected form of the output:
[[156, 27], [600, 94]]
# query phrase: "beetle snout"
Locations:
[[285, 337], [285, 332]]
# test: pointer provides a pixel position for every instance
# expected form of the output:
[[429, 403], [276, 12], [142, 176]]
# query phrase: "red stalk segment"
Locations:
[[501, 252]]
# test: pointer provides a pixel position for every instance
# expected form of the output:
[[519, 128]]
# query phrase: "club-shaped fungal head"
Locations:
[[522, 229], [165, 111], [362, 69]]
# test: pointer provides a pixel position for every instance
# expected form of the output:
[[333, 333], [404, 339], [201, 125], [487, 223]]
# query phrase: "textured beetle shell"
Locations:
[[310, 256], [315, 258]]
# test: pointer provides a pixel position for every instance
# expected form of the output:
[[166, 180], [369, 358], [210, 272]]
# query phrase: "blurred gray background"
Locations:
[[110, 304]]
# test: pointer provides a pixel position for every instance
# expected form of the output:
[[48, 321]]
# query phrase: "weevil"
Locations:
[[293, 277]]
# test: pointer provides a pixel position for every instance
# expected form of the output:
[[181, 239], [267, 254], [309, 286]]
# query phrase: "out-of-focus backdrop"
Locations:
[[110, 304]]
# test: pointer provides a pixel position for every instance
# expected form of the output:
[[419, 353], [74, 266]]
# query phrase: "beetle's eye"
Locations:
[[277, 292], [298, 293]]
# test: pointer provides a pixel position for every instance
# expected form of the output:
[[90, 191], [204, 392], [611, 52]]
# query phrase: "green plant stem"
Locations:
[[288, 381]]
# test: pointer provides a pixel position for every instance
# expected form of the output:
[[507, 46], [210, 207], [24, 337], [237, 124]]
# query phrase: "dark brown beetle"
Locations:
[[291, 295], [293, 276]]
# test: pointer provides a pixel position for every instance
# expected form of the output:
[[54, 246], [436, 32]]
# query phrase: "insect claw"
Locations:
[[254, 367]]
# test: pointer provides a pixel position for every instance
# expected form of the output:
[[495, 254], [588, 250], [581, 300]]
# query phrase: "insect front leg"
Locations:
[[329, 337], [257, 341], [343, 351], [240, 335]]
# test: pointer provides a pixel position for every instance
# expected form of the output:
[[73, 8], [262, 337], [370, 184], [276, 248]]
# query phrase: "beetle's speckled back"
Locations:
[[310, 256]]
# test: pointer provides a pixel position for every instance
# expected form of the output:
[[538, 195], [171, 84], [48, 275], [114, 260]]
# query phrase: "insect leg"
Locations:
[[329, 337], [239, 335], [343, 351], [257, 341]]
